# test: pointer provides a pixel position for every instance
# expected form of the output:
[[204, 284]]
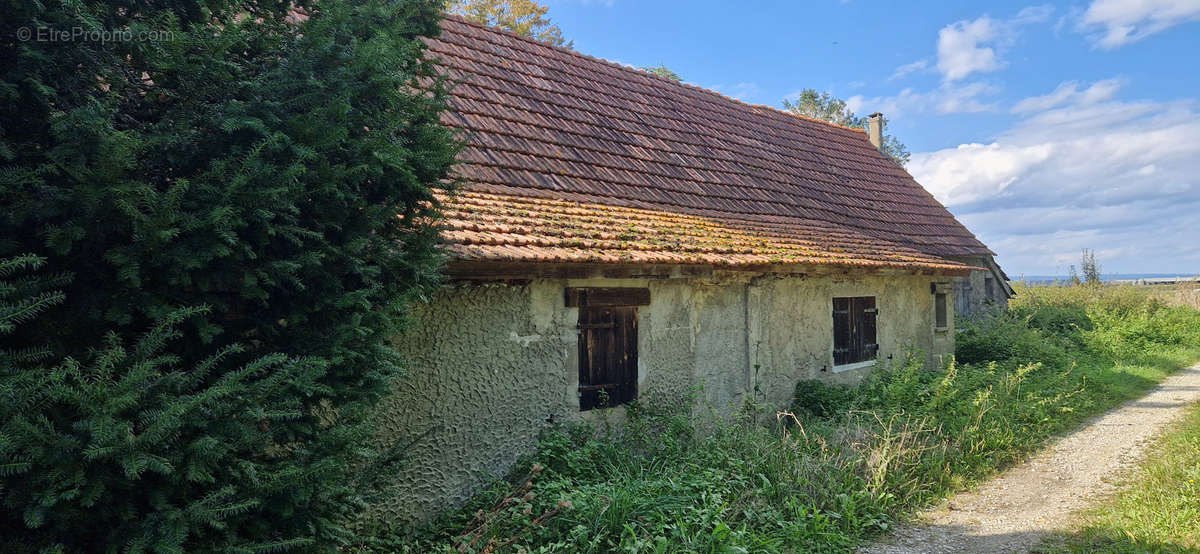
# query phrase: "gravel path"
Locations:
[[1014, 511]]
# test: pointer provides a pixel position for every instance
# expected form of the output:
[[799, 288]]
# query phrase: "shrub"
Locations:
[[821, 399], [163, 456], [279, 174], [1007, 336]]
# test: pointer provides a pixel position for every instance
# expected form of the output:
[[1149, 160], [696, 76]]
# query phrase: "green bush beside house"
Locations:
[[236, 212]]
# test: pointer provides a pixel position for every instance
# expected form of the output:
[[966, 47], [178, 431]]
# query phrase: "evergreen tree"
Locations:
[[1090, 268], [273, 162], [126, 451]]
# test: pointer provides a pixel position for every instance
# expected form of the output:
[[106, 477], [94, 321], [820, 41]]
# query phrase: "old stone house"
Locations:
[[622, 235]]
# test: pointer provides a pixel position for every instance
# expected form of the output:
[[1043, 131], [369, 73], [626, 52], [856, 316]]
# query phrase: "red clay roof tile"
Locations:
[[574, 159]]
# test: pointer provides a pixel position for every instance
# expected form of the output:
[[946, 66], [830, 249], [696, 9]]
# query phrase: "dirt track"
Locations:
[[1014, 511]]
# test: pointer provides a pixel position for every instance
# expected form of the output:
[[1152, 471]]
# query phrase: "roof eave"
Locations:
[[519, 270]]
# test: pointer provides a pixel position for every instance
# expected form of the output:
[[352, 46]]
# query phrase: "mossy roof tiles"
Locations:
[[574, 159]]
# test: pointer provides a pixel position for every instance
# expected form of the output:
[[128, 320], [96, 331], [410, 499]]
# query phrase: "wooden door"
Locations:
[[607, 356]]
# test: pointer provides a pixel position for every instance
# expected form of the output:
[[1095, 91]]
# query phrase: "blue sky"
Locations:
[[1045, 127]]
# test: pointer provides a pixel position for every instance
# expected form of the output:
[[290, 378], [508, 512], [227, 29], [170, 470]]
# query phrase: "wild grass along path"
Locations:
[[1014, 511]]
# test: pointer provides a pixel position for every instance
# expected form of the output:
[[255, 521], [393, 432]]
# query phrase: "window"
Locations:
[[941, 305], [854, 330], [941, 315], [989, 288], [607, 344]]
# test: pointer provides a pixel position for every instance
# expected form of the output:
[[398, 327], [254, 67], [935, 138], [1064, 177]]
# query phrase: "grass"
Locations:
[[845, 463], [1158, 511]]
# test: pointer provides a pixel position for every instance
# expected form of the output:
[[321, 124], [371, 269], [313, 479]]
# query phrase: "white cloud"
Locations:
[[963, 48], [946, 99], [975, 172], [963, 98], [1069, 92], [907, 68], [1120, 22], [974, 46], [1034, 14], [1080, 170]]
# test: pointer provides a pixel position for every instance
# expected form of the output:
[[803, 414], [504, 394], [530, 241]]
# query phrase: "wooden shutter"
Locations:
[[842, 326], [854, 330], [608, 339], [865, 329]]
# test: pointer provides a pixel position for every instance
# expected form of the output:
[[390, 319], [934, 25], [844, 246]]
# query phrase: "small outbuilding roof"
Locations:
[[570, 158]]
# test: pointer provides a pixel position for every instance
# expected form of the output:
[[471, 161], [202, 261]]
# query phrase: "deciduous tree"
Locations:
[[824, 106], [662, 71], [523, 17]]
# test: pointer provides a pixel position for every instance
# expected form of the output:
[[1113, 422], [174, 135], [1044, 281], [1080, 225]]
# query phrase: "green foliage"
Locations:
[[1006, 336], [526, 18], [848, 463], [824, 106], [662, 71], [125, 450], [22, 297], [128, 450], [821, 399], [661, 486], [279, 173]]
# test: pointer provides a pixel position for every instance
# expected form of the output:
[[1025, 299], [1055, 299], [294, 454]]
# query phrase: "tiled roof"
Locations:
[[571, 158], [484, 226]]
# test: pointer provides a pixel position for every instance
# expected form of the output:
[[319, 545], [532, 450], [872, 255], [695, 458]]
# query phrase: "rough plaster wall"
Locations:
[[719, 331], [481, 360], [792, 328], [490, 363], [971, 291], [666, 343]]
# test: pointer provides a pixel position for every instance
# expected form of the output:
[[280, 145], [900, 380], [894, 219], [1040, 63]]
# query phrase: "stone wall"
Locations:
[[492, 365]]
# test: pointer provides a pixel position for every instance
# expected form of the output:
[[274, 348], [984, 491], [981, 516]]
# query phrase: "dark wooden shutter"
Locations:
[[854, 330], [608, 339], [868, 347], [841, 331]]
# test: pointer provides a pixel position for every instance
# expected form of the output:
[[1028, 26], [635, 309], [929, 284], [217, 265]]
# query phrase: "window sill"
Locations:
[[853, 366], [940, 329]]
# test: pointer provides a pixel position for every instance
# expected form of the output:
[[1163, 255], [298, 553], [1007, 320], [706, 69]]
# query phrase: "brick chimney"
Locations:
[[875, 130]]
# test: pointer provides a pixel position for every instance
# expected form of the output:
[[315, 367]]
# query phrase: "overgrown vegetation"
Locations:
[[232, 203], [845, 463]]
